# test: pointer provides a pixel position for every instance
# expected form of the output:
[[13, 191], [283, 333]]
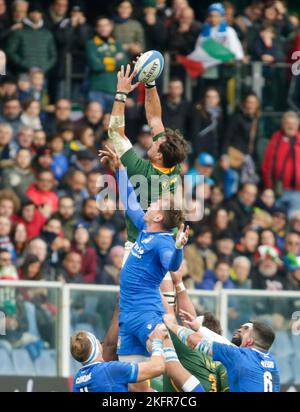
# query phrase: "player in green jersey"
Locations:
[[211, 374]]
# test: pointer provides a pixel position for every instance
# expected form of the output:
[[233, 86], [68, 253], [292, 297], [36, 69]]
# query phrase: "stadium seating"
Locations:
[[22, 363], [45, 365], [6, 365]]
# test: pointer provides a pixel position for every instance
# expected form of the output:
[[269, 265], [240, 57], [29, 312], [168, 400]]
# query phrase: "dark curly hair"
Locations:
[[174, 149]]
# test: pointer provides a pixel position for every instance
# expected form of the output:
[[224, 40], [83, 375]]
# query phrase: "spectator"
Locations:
[[202, 170], [19, 13], [268, 238], [8, 88], [43, 159], [4, 23], [104, 241], [9, 203], [19, 49], [281, 161], [240, 273], [87, 253], [292, 244], [31, 114], [225, 246], [56, 120], [266, 201], [105, 56], [219, 221], [268, 274], [241, 207], [20, 176], [11, 113], [38, 247], [154, 28], [66, 216], [218, 278], [25, 137], [111, 272], [20, 240], [144, 141], [89, 215], [7, 268], [31, 268], [93, 183], [279, 226], [199, 256], [7, 146], [293, 276], [75, 188], [42, 192], [5, 242], [175, 108], [183, 33], [39, 139], [248, 245], [127, 31], [206, 124], [244, 123], [60, 162], [267, 47], [93, 117], [71, 268]]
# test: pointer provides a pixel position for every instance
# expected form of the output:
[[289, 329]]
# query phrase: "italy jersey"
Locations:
[[249, 370], [151, 257], [105, 377]]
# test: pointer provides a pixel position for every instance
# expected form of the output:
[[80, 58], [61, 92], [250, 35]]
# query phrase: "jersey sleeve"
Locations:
[[124, 372], [134, 163], [229, 355], [171, 259], [129, 199], [222, 378]]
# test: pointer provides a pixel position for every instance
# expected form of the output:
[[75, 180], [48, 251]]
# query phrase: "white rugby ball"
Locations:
[[149, 66]]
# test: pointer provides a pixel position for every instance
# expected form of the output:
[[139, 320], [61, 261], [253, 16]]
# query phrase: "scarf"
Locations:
[[30, 23], [207, 29]]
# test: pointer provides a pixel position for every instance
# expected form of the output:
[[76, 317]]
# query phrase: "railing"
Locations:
[[91, 307]]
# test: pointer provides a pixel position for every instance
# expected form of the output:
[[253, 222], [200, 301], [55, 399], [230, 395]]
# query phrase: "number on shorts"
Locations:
[[268, 384]]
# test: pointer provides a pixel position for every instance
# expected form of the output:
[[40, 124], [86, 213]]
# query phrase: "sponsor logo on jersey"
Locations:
[[83, 378], [147, 240]]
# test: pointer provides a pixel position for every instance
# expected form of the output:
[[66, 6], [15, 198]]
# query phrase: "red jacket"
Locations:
[[282, 161], [41, 198], [33, 228]]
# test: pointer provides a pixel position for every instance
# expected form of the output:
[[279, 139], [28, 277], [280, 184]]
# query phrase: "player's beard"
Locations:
[[236, 339]]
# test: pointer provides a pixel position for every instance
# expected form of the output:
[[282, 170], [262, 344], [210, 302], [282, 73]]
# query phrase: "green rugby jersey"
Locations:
[[168, 181], [211, 374]]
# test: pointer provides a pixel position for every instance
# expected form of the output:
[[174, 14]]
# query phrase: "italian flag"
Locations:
[[210, 54]]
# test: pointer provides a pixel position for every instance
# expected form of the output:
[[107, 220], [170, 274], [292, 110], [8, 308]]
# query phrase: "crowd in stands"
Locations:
[[51, 227]]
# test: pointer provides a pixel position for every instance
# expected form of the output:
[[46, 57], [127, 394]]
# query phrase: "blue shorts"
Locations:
[[134, 330]]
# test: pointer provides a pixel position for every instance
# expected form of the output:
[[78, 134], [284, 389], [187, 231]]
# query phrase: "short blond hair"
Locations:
[[80, 346]]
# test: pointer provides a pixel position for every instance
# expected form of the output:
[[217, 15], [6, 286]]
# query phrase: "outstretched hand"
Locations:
[[189, 320], [125, 79], [182, 236], [110, 156]]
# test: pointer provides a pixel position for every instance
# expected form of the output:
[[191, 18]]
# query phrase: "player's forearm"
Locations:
[[193, 340], [116, 129], [153, 110], [156, 365], [183, 301]]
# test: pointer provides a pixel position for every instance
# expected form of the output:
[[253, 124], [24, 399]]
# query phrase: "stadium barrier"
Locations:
[[71, 307]]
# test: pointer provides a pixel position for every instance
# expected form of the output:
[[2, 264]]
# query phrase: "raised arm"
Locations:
[[116, 130], [153, 110], [129, 199], [171, 260]]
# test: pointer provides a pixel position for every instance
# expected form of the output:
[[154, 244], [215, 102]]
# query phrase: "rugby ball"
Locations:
[[149, 66]]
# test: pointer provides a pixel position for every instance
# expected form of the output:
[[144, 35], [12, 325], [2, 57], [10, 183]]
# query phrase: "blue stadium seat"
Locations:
[[22, 362], [296, 345], [31, 317], [84, 326], [91, 303], [45, 364], [296, 369], [282, 346], [74, 366], [6, 365], [285, 369]]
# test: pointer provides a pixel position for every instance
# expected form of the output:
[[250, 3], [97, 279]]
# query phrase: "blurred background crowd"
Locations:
[[55, 101]]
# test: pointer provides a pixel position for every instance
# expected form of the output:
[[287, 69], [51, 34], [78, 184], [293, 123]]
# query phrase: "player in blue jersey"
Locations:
[[250, 367], [99, 376], [153, 254]]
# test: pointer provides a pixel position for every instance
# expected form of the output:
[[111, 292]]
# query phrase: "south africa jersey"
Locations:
[[211, 374], [249, 370], [105, 377]]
